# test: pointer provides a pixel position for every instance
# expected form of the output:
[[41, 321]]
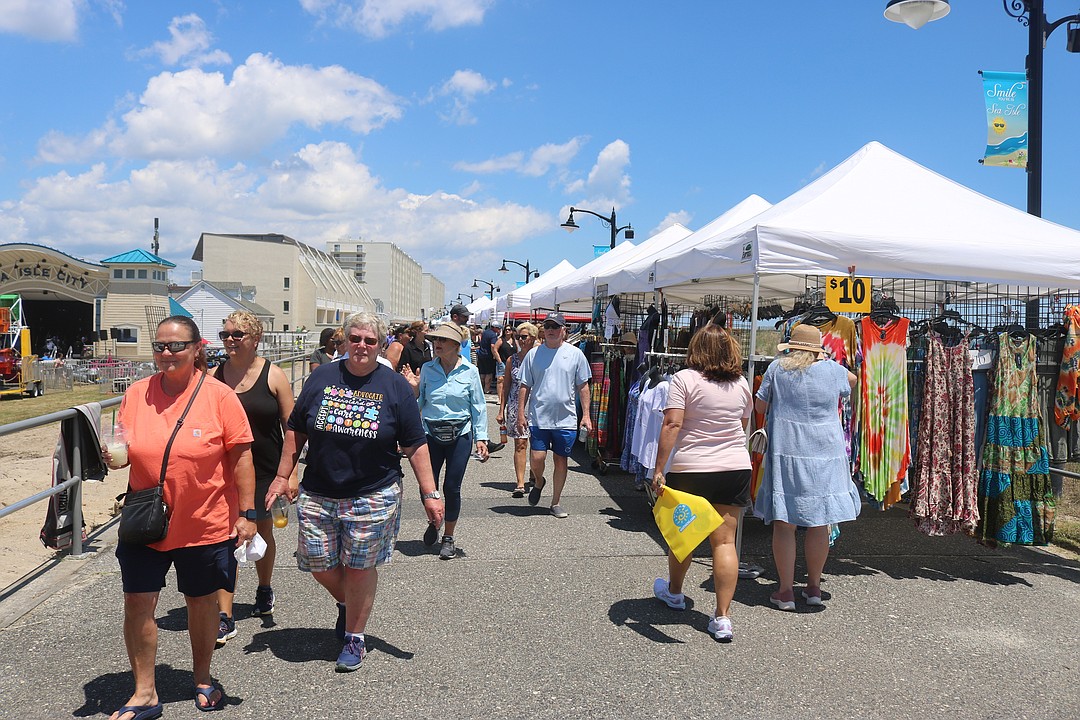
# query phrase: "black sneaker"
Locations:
[[431, 535], [339, 627], [534, 494], [226, 629], [264, 601]]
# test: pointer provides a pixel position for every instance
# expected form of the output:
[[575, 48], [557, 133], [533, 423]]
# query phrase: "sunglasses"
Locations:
[[552, 326], [339, 342], [369, 341], [174, 347], [524, 337], [235, 334]]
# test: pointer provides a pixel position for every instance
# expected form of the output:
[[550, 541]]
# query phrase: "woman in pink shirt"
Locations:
[[708, 407]]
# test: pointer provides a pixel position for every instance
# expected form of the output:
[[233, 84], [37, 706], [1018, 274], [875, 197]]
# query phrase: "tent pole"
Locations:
[[745, 570]]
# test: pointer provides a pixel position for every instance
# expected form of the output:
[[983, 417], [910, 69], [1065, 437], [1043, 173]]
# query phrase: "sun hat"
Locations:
[[628, 338], [446, 331], [803, 337]]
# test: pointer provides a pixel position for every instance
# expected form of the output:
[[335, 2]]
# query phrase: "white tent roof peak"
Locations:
[[578, 285], [519, 300], [634, 274]]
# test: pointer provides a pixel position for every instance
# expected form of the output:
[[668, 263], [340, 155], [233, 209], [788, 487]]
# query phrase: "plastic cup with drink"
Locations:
[[115, 443], [279, 511]]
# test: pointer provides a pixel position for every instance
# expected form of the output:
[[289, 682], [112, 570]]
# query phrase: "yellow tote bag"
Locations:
[[684, 520]]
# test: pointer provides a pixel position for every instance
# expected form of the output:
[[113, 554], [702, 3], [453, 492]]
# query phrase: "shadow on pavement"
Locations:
[[304, 645], [646, 616], [105, 693]]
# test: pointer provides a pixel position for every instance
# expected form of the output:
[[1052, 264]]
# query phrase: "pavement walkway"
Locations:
[[546, 618]]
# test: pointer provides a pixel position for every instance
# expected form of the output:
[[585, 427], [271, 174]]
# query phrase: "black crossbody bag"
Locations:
[[144, 518]]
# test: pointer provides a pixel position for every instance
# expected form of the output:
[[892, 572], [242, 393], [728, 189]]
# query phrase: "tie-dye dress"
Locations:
[[884, 445], [1016, 498]]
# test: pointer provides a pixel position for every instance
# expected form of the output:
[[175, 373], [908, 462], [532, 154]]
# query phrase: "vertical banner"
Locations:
[[519, 283], [599, 250], [1006, 95]]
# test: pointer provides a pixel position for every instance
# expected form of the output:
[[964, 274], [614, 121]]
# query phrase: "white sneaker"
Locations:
[[720, 629], [673, 601]]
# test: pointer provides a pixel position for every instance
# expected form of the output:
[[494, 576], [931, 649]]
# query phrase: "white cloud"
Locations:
[[608, 183], [378, 18], [193, 113], [189, 44], [682, 217], [319, 193], [463, 87], [539, 161], [41, 19]]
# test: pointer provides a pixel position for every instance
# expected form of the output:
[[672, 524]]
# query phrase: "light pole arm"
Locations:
[[611, 222]]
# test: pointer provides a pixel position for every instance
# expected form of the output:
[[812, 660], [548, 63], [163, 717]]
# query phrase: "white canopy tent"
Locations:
[[574, 293], [481, 310], [520, 300], [877, 215], [885, 216], [635, 273]]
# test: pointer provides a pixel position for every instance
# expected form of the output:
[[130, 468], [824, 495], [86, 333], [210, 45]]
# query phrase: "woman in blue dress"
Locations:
[[807, 479]]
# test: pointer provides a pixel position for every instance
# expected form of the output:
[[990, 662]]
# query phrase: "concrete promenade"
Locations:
[[547, 618]]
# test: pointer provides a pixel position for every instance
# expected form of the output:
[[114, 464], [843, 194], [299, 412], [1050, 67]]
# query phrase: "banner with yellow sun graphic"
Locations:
[[1006, 95]]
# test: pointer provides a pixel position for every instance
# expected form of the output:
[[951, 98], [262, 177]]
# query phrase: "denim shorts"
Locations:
[[200, 570], [558, 440], [358, 533]]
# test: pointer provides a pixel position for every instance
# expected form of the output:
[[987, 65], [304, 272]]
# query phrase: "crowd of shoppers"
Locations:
[[377, 395]]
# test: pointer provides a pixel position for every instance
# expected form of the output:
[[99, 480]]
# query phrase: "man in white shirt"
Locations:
[[553, 376]]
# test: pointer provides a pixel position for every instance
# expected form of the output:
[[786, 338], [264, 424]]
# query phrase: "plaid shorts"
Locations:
[[358, 532]]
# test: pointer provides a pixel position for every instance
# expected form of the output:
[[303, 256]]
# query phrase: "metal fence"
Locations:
[[108, 375]]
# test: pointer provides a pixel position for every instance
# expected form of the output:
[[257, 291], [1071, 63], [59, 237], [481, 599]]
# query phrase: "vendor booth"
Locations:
[[943, 302]]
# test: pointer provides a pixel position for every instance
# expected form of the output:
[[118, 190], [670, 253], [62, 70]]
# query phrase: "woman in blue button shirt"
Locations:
[[454, 412]]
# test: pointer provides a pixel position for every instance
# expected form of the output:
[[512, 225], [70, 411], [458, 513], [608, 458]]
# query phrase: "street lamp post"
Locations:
[[611, 222], [465, 295], [916, 13], [492, 287], [530, 274]]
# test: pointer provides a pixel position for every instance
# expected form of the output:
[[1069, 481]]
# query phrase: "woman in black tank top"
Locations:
[[267, 397]]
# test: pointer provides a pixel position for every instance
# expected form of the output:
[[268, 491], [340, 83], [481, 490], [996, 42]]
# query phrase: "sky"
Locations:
[[463, 130]]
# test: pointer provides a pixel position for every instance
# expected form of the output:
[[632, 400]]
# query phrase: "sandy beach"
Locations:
[[25, 469]]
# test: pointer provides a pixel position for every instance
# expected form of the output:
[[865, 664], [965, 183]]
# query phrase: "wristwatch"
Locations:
[[251, 515], [431, 496]]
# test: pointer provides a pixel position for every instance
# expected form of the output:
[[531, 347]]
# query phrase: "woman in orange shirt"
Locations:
[[209, 488]]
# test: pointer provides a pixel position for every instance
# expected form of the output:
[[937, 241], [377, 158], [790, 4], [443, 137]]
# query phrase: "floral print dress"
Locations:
[[944, 497], [512, 399], [1016, 498]]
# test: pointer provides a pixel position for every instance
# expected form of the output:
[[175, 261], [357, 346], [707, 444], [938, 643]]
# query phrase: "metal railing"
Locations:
[[73, 480], [297, 370]]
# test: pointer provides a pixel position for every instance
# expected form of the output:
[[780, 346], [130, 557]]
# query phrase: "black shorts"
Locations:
[[726, 487], [485, 364], [200, 570]]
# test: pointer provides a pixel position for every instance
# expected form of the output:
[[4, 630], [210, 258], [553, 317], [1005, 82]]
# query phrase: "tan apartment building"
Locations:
[[433, 296], [303, 287], [392, 278]]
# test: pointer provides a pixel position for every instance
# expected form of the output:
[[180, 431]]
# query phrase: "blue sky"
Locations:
[[462, 130]]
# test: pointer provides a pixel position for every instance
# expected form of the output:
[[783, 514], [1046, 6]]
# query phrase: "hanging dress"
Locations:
[[1016, 498], [1067, 398], [944, 488], [884, 445]]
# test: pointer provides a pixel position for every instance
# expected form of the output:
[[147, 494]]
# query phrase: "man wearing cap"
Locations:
[[485, 358], [459, 315], [553, 375]]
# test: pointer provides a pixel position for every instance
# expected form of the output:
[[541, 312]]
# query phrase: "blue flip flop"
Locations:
[[142, 712], [206, 692]]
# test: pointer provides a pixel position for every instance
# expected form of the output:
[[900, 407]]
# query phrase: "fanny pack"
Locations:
[[446, 432]]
